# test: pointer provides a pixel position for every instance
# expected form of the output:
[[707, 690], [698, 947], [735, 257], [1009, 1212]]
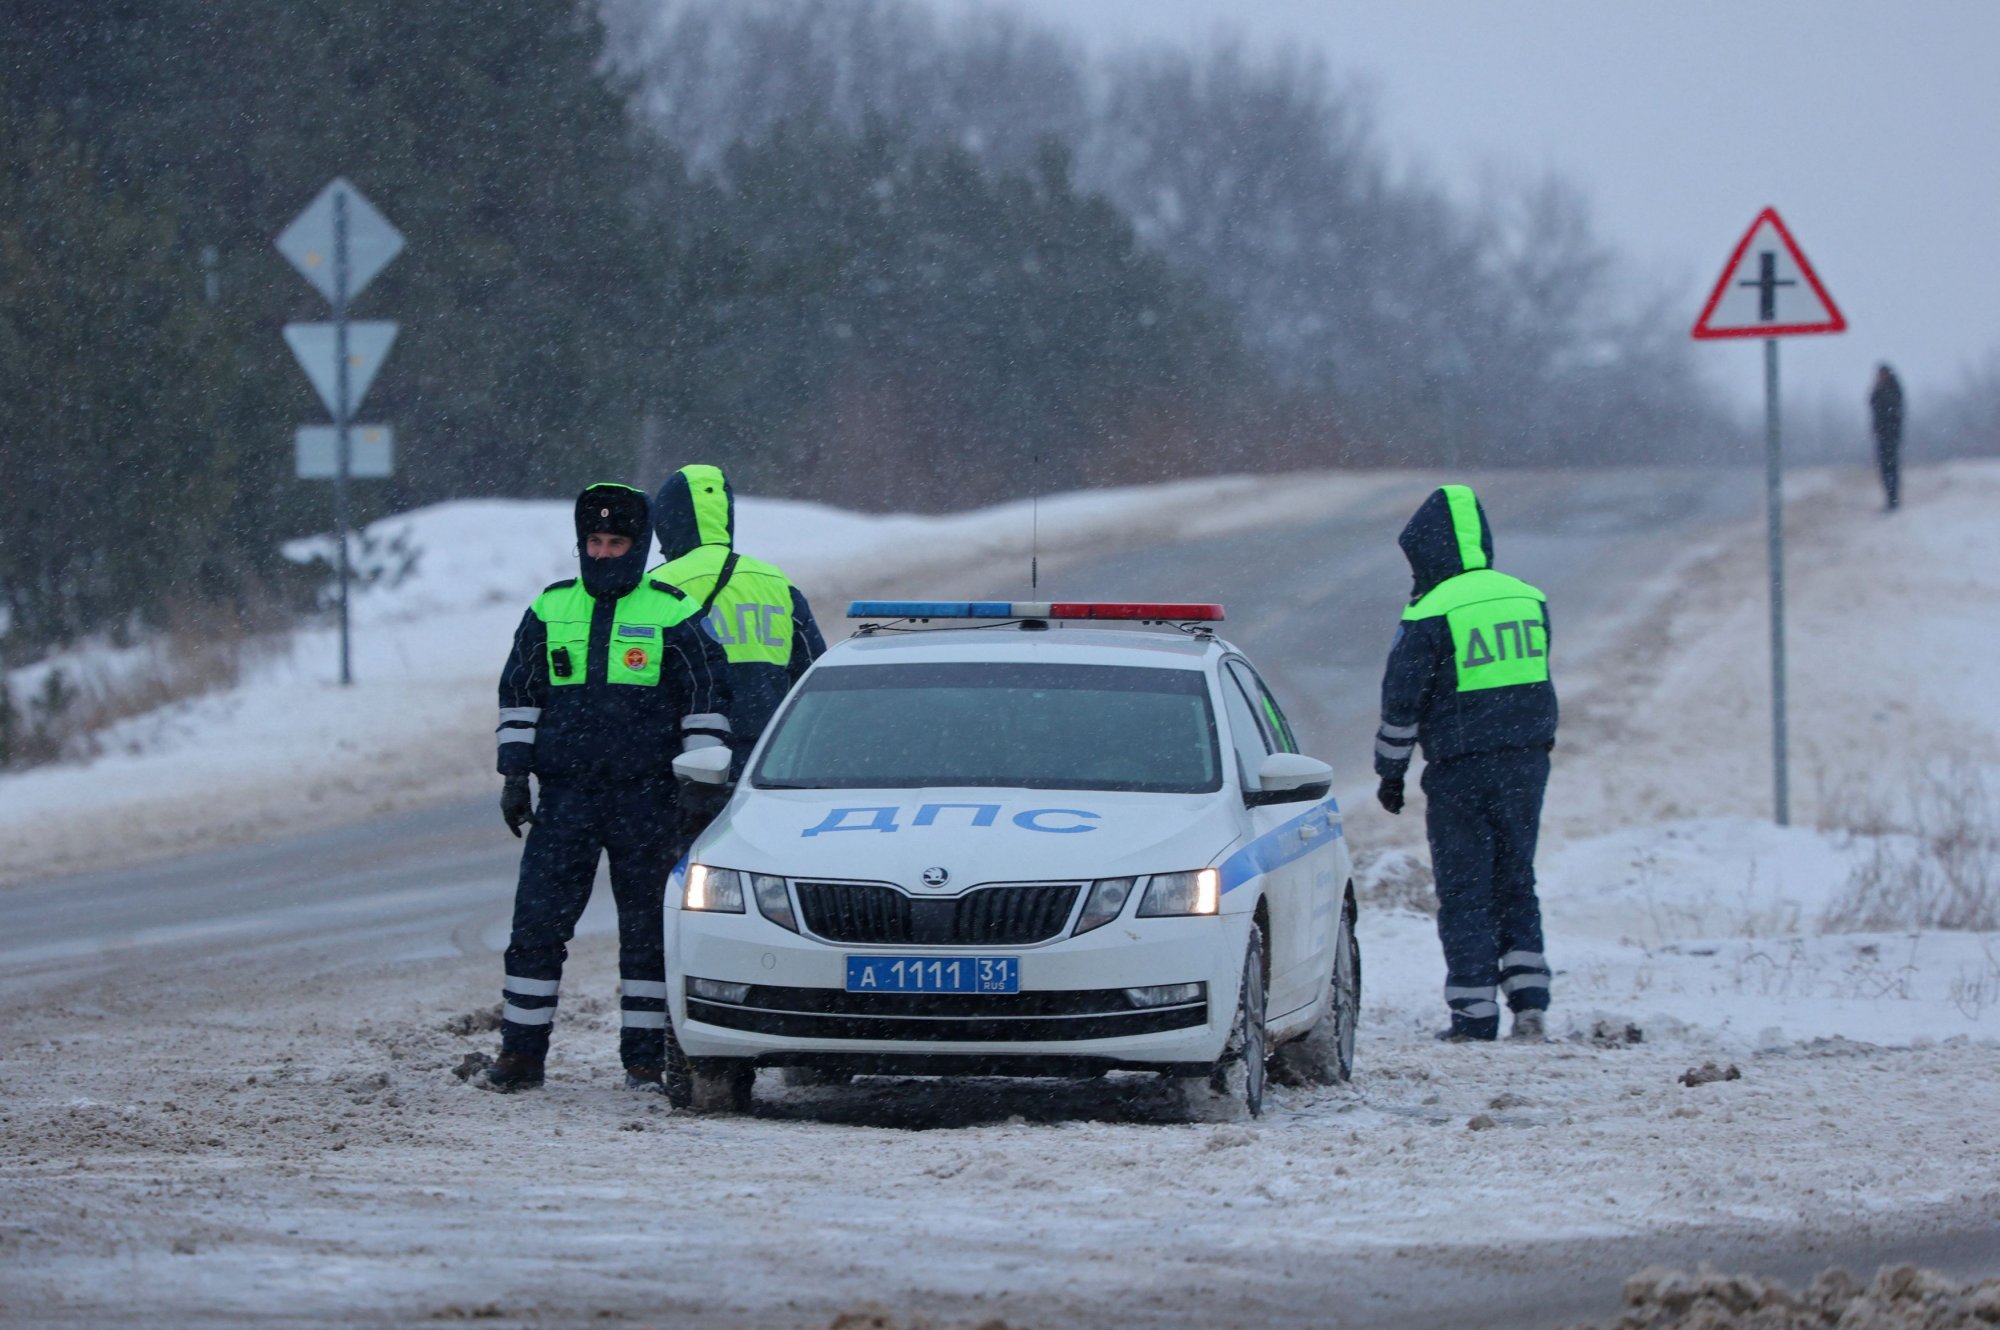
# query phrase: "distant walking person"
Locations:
[[1885, 409], [1468, 678]]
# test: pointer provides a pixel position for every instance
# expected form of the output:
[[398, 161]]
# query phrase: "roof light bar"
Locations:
[[1035, 609]]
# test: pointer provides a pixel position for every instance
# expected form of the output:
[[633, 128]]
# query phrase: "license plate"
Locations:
[[933, 974]]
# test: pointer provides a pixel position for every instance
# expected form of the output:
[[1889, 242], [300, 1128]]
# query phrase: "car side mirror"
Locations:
[[704, 766], [1286, 778]]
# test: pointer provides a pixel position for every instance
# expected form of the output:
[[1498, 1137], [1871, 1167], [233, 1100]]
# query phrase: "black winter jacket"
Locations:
[[606, 728], [1421, 703]]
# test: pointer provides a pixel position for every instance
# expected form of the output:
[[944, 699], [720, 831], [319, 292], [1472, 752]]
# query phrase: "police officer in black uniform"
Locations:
[[610, 677], [1468, 678]]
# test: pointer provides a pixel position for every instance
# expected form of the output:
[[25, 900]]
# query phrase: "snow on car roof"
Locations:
[[1054, 646]]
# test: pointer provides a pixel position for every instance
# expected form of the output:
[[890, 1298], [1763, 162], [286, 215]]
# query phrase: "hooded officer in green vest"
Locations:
[[1468, 680], [760, 619], [610, 677]]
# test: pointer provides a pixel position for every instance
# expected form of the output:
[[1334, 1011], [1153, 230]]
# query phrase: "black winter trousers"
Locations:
[[636, 827], [1483, 815], [1888, 459]]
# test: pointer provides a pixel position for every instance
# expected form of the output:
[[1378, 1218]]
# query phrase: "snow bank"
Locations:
[[1892, 665], [1709, 934], [1898, 1298]]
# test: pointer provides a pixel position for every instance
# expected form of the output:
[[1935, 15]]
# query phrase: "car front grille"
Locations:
[[1034, 1017], [847, 912], [1007, 916]]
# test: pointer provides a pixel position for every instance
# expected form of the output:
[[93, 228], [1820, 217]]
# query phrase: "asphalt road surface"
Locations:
[[1314, 603]]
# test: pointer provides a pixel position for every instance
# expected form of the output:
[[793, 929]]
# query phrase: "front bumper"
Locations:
[[1071, 1013]]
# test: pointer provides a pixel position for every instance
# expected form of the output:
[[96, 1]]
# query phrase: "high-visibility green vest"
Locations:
[[752, 614], [638, 631], [1499, 629]]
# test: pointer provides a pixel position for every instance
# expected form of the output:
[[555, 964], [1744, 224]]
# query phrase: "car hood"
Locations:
[[973, 835]]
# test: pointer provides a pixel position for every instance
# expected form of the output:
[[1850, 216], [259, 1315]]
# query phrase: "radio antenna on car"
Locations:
[[1035, 528]]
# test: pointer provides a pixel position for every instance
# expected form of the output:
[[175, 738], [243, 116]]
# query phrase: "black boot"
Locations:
[[646, 1080], [511, 1072]]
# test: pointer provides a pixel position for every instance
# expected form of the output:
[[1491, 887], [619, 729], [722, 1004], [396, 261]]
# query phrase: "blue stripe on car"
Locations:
[[1281, 845]]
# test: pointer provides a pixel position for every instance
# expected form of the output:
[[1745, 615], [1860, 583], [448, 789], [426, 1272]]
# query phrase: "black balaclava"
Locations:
[[621, 511]]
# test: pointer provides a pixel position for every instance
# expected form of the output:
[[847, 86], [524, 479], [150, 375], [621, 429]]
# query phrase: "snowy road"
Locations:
[[226, 1092]]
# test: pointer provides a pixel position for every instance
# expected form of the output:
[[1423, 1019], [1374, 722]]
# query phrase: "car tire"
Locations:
[[721, 1085], [1324, 1055], [1346, 1014], [1236, 1084], [678, 1079]]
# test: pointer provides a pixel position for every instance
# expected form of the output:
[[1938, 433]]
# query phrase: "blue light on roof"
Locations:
[[931, 609]]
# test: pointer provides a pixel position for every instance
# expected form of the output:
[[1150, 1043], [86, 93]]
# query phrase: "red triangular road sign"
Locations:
[[1768, 289]]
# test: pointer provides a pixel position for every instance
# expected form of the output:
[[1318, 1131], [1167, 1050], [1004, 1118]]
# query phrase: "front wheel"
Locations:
[[708, 1085], [721, 1085], [1240, 1073]]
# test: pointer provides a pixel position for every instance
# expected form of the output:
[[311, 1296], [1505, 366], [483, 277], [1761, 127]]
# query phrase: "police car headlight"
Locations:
[[1195, 892], [715, 889], [1105, 903], [774, 900]]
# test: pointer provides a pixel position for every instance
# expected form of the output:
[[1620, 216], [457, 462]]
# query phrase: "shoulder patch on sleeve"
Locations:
[[667, 587], [557, 586]]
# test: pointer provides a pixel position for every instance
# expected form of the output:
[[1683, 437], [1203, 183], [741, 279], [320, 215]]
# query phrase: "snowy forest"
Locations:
[[850, 251]]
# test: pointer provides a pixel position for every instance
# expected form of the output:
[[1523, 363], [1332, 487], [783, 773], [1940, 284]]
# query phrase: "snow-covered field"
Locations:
[[267, 1134]]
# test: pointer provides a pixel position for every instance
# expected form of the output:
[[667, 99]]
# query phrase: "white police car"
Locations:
[[1010, 847]]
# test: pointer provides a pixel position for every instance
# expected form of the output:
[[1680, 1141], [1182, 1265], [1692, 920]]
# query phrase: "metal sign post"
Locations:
[[342, 457], [1778, 295], [1774, 506], [340, 358]]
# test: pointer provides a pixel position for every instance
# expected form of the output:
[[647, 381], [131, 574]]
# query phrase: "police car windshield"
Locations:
[[1043, 727]]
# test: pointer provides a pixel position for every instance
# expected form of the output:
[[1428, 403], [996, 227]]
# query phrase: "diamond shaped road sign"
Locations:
[[309, 241], [367, 347]]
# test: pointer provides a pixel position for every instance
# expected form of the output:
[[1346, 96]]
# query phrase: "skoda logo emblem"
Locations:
[[936, 877]]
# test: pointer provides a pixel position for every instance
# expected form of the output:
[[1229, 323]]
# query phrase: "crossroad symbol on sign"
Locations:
[[1768, 289], [315, 345]]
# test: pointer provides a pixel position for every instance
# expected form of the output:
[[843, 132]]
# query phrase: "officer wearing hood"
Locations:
[[1468, 680], [610, 678], [749, 606]]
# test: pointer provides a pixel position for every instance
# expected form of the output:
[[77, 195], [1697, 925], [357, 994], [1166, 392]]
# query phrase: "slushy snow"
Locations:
[[284, 1131]]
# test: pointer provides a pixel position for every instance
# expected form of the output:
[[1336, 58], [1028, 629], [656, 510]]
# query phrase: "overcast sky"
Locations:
[[1873, 127]]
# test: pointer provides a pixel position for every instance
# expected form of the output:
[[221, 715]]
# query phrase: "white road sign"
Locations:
[[367, 347], [372, 242], [1768, 289], [370, 452]]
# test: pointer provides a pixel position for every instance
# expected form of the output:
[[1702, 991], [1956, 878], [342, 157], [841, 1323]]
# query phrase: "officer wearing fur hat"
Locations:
[[610, 677]]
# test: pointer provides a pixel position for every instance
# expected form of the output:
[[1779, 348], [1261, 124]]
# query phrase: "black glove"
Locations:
[[1390, 792], [516, 805]]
